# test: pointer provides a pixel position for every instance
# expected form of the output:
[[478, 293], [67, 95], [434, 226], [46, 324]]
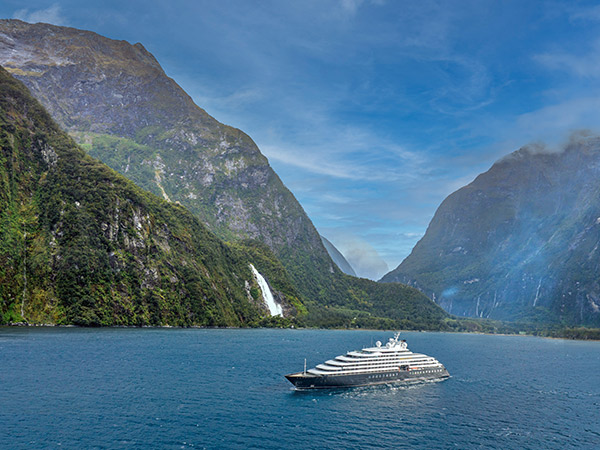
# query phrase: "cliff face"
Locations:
[[81, 244], [519, 242], [116, 101]]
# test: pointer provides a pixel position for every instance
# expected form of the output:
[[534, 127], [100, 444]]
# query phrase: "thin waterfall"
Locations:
[[274, 308]]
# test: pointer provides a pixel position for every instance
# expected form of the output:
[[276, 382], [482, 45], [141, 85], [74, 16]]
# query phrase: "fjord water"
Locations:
[[195, 388]]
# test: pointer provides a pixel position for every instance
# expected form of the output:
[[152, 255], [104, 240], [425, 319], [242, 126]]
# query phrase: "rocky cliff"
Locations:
[[115, 100], [520, 242], [81, 244]]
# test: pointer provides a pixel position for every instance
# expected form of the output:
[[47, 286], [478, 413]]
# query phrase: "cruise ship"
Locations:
[[382, 364]]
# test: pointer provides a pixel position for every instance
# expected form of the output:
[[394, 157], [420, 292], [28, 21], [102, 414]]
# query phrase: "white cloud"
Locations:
[[236, 100], [554, 123], [51, 15], [312, 163]]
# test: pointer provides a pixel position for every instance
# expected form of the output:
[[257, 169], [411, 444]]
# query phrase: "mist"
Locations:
[[361, 255]]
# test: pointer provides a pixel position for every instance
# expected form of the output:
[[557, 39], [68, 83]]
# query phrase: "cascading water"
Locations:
[[274, 308]]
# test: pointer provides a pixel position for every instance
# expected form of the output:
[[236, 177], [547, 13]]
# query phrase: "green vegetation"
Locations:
[[361, 303], [319, 293], [80, 244], [123, 155], [574, 333], [474, 325]]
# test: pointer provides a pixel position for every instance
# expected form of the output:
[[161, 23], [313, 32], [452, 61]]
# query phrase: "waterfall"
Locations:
[[24, 273], [274, 308], [537, 293]]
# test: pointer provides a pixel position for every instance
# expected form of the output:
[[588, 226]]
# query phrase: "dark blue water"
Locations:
[[170, 388]]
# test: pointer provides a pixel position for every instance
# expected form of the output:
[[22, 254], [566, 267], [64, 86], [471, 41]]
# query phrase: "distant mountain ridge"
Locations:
[[337, 257], [521, 242]]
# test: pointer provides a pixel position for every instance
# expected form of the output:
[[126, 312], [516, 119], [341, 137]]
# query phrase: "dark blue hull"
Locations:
[[308, 381]]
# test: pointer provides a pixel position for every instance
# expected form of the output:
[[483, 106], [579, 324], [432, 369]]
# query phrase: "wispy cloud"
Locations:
[[317, 161], [585, 13], [351, 154], [351, 7], [560, 119], [583, 65], [52, 15]]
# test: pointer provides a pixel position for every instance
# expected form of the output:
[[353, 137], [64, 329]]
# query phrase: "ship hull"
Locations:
[[308, 381]]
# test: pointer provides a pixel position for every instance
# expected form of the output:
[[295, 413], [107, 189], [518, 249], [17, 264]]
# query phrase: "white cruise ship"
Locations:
[[389, 363]]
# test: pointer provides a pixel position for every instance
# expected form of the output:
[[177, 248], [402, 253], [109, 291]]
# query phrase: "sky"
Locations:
[[370, 111]]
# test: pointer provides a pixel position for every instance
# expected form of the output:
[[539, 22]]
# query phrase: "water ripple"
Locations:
[[181, 389]]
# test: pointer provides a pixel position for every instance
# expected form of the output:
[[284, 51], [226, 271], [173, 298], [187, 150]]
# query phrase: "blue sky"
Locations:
[[371, 112]]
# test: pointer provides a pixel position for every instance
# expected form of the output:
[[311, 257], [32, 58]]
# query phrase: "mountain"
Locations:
[[337, 257], [521, 242], [81, 244], [116, 101]]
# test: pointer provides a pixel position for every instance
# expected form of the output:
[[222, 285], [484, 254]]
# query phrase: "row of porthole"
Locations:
[[393, 367], [381, 375], [385, 375], [372, 376]]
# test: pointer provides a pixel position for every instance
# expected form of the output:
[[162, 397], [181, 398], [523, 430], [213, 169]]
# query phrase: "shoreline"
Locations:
[[203, 327]]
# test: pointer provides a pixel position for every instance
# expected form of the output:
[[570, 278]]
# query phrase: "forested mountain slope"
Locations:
[[81, 244]]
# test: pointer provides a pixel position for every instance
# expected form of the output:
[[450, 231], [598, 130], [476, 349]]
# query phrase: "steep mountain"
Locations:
[[116, 101], [520, 242], [81, 244], [337, 257]]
